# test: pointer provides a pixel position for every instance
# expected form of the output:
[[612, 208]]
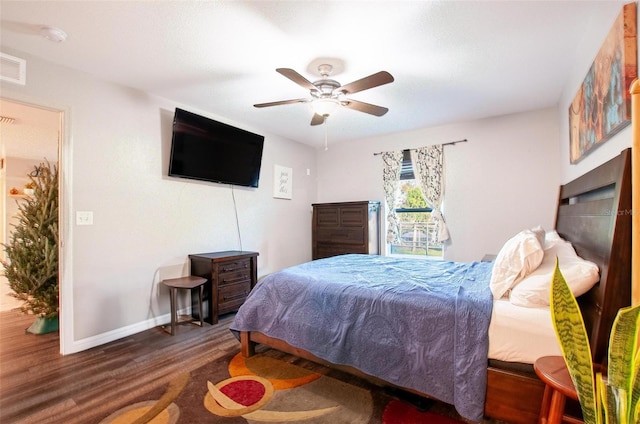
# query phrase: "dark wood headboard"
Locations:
[[594, 214]]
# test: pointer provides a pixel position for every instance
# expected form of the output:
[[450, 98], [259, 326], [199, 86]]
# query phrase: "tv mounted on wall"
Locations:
[[208, 150]]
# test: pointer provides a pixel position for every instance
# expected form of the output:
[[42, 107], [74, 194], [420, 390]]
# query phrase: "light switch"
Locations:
[[84, 218]]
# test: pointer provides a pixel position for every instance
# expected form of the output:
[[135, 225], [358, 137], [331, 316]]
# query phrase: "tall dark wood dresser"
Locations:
[[345, 227]]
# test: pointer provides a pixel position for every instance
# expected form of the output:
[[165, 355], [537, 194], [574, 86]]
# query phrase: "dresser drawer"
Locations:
[[341, 235], [328, 217], [333, 250], [342, 216], [353, 216], [232, 296]]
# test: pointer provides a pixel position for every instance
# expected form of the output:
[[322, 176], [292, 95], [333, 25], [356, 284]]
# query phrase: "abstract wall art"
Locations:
[[602, 105]]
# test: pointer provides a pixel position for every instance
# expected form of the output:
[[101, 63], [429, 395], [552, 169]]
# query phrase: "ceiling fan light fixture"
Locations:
[[325, 106]]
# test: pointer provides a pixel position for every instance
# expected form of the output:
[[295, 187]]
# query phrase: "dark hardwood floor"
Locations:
[[38, 385]]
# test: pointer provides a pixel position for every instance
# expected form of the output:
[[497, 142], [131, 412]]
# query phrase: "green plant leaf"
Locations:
[[574, 342], [615, 401], [623, 346], [634, 407], [604, 396]]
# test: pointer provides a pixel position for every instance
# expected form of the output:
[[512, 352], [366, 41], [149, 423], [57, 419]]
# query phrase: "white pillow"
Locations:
[[550, 238], [519, 256], [580, 275], [540, 234]]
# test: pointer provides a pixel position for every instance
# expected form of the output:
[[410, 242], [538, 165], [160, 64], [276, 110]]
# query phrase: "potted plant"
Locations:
[[609, 399], [29, 188], [31, 264]]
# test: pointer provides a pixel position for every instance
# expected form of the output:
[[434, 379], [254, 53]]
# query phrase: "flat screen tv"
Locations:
[[208, 150]]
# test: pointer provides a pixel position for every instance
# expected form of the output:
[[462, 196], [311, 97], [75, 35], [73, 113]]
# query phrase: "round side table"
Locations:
[[553, 372]]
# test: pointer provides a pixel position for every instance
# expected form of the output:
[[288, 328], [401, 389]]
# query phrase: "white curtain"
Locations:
[[391, 180], [428, 168]]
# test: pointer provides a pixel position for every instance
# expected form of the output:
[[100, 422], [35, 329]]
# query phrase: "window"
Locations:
[[415, 232]]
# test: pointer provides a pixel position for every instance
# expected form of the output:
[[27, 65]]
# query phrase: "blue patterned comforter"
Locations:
[[415, 323]]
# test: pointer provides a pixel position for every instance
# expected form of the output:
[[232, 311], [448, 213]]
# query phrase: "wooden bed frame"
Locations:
[[594, 213]]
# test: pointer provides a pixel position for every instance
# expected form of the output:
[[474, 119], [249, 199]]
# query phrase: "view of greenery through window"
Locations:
[[416, 231]]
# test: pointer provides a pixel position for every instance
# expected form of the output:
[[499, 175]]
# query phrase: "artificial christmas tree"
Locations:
[[31, 264]]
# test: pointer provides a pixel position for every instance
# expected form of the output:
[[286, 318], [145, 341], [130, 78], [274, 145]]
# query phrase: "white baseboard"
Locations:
[[110, 336]]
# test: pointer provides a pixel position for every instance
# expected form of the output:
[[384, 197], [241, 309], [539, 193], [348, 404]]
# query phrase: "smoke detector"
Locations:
[[53, 34]]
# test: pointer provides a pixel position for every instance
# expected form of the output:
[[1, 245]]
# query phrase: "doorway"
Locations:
[[29, 134]]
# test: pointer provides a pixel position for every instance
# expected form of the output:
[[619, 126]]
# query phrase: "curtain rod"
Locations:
[[451, 143]]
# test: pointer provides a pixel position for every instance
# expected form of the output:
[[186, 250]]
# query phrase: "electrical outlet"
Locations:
[[84, 218]]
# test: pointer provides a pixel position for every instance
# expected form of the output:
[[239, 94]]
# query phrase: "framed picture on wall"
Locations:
[[282, 182], [602, 105]]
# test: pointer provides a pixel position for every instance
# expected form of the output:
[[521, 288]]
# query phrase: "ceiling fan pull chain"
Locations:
[[326, 146]]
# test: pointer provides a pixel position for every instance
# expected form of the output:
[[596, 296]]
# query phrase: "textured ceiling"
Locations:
[[33, 134], [452, 60]]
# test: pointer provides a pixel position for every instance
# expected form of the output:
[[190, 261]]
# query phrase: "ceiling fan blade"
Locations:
[[365, 107], [380, 78], [297, 78], [317, 119], [281, 102]]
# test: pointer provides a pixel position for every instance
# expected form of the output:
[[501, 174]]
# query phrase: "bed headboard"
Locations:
[[594, 213]]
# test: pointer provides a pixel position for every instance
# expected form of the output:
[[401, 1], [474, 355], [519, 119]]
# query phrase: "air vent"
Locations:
[[13, 69]]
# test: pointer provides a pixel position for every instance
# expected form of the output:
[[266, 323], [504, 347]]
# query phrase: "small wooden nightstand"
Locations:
[[230, 277]]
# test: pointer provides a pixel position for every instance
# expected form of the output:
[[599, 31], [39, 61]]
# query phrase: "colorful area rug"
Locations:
[[272, 387]]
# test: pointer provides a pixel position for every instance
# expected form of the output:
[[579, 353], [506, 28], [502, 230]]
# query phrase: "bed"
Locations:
[[591, 215]]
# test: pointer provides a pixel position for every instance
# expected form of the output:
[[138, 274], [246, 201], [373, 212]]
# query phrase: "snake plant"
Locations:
[[604, 400]]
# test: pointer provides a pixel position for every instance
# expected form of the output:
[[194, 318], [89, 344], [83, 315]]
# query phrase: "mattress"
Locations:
[[518, 334]]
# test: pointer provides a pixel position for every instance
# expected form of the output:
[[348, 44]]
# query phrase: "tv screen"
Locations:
[[207, 150]]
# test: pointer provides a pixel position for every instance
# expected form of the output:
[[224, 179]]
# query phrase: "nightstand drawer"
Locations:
[[235, 266], [232, 296], [233, 277]]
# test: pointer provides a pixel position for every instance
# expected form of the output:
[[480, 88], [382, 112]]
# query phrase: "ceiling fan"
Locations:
[[328, 94]]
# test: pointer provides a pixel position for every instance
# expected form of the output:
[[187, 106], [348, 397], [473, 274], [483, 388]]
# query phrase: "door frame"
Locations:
[[65, 281]]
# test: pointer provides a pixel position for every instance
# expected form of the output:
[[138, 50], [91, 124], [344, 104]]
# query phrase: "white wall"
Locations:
[[114, 163], [504, 179]]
